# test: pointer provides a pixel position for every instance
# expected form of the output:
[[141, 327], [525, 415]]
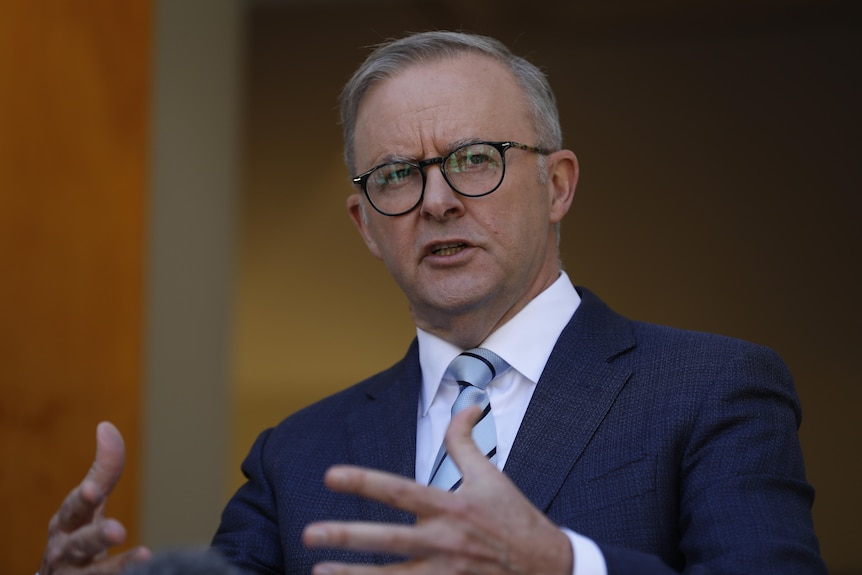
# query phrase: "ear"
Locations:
[[358, 213], [562, 181]]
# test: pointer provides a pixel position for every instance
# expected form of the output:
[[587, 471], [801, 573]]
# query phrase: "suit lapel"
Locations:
[[581, 380], [382, 430], [577, 388]]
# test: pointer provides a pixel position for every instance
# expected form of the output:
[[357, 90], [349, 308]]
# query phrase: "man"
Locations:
[[624, 447]]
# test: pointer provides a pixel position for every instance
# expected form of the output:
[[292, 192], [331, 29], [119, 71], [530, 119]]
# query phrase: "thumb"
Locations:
[[110, 459], [460, 445]]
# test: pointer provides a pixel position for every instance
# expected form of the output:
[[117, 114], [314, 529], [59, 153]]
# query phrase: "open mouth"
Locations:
[[448, 249]]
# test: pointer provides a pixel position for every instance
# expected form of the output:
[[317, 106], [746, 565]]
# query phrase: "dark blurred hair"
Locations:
[[184, 562]]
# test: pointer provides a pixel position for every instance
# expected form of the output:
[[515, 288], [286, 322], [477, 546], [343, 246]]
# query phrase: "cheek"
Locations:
[[392, 245], [509, 235], [517, 224], [522, 235]]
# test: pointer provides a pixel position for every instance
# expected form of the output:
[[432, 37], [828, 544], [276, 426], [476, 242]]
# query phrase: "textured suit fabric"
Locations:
[[675, 451]]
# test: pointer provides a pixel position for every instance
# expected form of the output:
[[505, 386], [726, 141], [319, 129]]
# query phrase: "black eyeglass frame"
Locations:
[[362, 179]]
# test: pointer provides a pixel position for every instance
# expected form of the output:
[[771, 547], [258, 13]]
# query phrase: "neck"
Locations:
[[467, 328]]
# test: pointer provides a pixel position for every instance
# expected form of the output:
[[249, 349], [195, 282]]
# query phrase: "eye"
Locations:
[[392, 175], [473, 158], [477, 159]]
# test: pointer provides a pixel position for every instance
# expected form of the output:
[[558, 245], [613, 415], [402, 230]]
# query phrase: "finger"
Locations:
[[332, 568], [90, 541], [110, 458], [370, 537], [116, 564], [393, 490], [461, 447], [107, 566], [81, 504], [84, 545]]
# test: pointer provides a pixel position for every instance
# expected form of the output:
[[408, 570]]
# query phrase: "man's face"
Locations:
[[465, 264]]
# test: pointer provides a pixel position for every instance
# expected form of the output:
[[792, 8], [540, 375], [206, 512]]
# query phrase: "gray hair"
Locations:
[[390, 58]]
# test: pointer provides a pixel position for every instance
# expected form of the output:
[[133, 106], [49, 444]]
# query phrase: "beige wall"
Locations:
[[197, 47], [718, 193]]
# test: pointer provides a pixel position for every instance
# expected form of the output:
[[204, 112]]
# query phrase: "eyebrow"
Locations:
[[463, 142], [397, 158]]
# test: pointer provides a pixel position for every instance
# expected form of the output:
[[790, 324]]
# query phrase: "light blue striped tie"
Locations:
[[473, 370]]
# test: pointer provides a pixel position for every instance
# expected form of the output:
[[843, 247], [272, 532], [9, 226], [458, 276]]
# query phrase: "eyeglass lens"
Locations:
[[472, 170]]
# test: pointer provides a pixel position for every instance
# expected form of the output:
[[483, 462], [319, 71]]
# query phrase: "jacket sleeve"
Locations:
[[745, 506], [248, 535]]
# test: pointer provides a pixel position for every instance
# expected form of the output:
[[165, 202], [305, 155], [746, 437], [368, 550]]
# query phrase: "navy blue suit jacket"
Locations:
[[675, 451]]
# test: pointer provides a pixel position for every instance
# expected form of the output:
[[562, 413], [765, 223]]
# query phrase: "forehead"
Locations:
[[428, 107]]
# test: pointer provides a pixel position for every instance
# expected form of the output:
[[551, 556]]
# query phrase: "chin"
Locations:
[[454, 302]]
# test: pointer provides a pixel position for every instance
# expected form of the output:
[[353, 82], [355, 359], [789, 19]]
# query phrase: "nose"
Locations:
[[439, 201]]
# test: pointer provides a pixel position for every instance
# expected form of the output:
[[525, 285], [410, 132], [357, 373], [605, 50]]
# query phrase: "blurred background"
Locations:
[[175, 254]]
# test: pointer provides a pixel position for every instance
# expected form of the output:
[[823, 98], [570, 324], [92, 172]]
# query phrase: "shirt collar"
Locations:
[[525, 341]]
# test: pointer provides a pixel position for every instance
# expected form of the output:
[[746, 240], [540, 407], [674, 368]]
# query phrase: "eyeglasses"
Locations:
[[472, 170]]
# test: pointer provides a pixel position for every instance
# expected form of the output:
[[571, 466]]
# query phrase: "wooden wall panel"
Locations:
[[74, 83]]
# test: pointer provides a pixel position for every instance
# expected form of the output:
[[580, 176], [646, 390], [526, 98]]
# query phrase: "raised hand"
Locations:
[[79, 535], [487, 526]]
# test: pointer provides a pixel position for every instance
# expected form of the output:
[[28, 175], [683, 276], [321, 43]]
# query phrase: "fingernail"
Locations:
[[316, 535], [336, 477], [143, 554], [114, 531]]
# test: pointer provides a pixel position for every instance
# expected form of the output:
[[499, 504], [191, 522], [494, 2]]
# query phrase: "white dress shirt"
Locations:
[[525, 342]]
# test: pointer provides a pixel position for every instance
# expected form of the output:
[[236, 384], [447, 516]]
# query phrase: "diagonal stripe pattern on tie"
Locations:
[[473, 370]]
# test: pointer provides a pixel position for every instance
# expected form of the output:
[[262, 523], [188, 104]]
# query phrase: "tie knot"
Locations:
[[476, 367]]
